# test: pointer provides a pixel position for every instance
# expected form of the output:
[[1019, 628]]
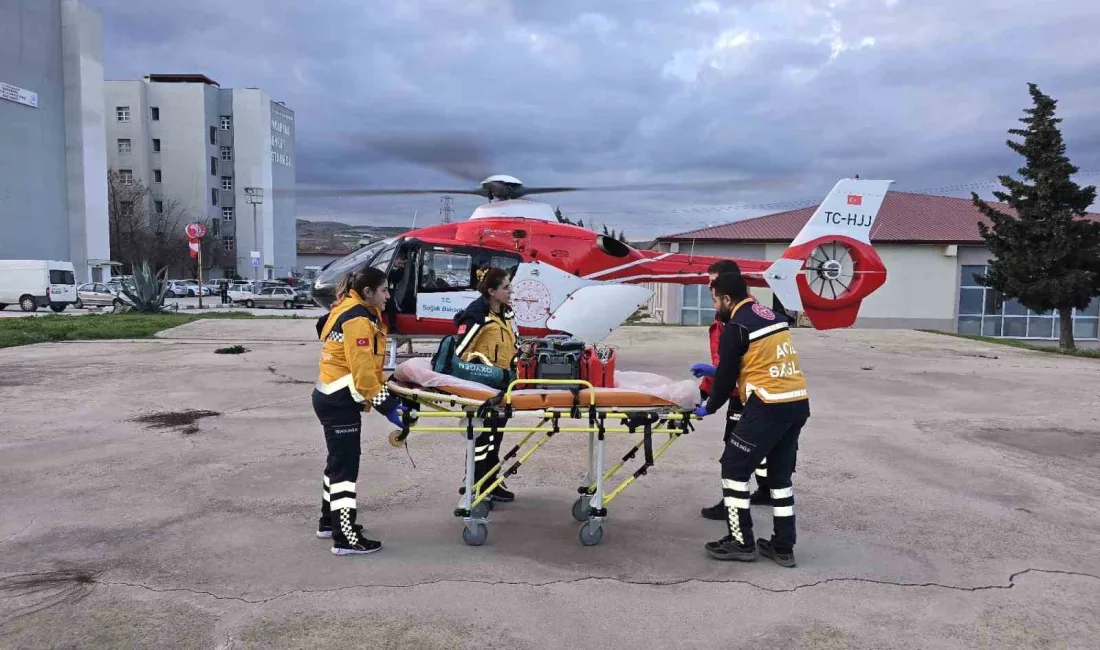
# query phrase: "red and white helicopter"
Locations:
[[568, 279]]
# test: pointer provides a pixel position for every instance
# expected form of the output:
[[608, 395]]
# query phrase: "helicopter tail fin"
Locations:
[[831, 267]]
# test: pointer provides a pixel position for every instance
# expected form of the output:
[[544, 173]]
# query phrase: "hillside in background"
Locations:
[[338, 236]]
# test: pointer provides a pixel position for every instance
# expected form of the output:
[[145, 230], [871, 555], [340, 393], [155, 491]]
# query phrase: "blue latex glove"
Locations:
[[395, 416], [701, 412], [703, 370]]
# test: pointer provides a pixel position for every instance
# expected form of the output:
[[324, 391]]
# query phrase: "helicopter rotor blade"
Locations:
[[458, 154], [350, 192]]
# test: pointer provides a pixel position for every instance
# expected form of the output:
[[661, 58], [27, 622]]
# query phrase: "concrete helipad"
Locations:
[[947, 497]]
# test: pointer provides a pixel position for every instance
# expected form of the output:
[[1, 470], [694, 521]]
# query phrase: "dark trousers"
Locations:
[[487, 452], [342, 424], [758, 437]]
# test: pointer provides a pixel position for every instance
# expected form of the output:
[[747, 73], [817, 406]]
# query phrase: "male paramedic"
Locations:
[[756, 354], [761, 496]]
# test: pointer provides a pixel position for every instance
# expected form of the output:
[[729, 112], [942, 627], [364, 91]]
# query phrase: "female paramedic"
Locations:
[[350, 382], [486, 333]]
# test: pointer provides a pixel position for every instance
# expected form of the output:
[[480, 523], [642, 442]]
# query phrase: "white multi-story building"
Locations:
[[53, 165], [191, 141]]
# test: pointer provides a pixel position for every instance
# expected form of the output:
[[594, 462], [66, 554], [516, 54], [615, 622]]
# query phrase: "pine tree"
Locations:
[[1044, 256]]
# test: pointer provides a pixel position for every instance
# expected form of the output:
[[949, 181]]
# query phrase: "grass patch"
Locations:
[[1023, 345], [233, 349], [51, 329]]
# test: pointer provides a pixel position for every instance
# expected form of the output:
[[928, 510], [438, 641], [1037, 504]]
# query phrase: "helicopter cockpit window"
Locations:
[[352, 263], [446, 271], [382, 262]]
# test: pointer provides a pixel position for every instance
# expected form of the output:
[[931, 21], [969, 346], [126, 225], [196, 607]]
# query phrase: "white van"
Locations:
[[37, 283]]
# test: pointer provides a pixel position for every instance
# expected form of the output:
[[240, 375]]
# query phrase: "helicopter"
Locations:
[[567, 279]]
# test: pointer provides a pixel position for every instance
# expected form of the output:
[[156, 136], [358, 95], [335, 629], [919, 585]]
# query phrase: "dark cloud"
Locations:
[[794, 92]]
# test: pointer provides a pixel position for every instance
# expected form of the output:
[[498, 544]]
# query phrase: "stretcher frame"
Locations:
[[590, 508]]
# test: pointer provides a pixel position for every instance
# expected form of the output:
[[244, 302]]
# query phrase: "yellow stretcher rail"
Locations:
[[475, 417]]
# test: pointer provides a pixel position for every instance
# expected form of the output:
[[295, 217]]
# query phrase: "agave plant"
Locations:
[[147, 290]]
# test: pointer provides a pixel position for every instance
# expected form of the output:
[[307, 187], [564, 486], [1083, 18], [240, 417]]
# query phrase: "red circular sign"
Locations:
[[196, 230]]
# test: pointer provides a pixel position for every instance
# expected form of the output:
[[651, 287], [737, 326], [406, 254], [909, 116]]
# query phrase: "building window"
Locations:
[[126, 208], [226, 122], [158, 207], [696, 306], [227, 153], [126, 176], [213, 135], [157, 176], [230, 272], [122, 113], [215, 227], [125, 146], [156, 145], [227, 213], [213, 196], [227, 183], [155, 112], [984, 311], [213, 166], [228, 244]]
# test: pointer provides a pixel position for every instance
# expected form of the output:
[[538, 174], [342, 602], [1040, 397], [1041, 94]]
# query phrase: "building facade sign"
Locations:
[[18, 95]]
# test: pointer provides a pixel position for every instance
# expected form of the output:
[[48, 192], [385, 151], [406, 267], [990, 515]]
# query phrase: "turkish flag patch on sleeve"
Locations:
[[462, 328], [362, 342]]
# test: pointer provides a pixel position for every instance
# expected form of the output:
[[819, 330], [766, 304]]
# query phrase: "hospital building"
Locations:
[[189, 140]]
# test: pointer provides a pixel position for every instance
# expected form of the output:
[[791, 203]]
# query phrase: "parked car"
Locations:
[[98, 294], [179, 289], [284, 297], [37, 283]]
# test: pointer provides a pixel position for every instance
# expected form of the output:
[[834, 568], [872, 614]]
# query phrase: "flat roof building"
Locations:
[[205, 148]]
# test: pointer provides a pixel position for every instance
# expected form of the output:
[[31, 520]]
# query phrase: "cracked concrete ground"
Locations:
[[947, 497]]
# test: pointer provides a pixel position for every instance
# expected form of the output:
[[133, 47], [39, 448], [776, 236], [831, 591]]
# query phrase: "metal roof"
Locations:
[[905, 217]]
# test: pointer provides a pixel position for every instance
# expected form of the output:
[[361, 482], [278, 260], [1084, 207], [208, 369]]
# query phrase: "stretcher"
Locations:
[[641, 405]]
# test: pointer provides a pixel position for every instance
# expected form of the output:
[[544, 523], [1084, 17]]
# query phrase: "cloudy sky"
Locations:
[[776, 99]]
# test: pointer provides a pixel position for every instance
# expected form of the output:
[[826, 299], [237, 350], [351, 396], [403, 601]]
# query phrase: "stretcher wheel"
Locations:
[[397, 438], [481, 510], [580, 509], [476, 536], [591, 533]]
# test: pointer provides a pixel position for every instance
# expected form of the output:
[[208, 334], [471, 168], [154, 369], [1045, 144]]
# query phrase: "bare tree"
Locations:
[[145, 227]]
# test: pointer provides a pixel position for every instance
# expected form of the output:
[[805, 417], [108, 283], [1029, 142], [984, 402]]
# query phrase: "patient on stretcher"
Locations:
[[631, 390]]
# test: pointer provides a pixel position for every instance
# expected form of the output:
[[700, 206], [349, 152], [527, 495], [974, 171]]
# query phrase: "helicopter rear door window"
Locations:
[[446, 271], [509, 264]]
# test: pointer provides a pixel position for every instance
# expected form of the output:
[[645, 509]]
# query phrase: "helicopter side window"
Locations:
[[509, 264], [446, 271]]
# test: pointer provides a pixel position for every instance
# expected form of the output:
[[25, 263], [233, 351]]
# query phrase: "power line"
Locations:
[[446, 212]]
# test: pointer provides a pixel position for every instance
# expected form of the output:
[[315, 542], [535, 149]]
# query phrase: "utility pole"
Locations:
[[445, 210], [255, 197]]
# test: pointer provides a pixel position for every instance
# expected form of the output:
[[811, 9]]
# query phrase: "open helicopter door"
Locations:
[[593, 312]]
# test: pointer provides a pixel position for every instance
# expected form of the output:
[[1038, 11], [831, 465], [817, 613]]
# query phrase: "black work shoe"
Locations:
[[363, 547], [761, 497], [767, 550], [324, 529], [715, 512], [502, 494], [728, 549]]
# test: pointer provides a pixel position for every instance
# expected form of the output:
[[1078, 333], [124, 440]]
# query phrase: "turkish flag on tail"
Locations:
[[855, 199]]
